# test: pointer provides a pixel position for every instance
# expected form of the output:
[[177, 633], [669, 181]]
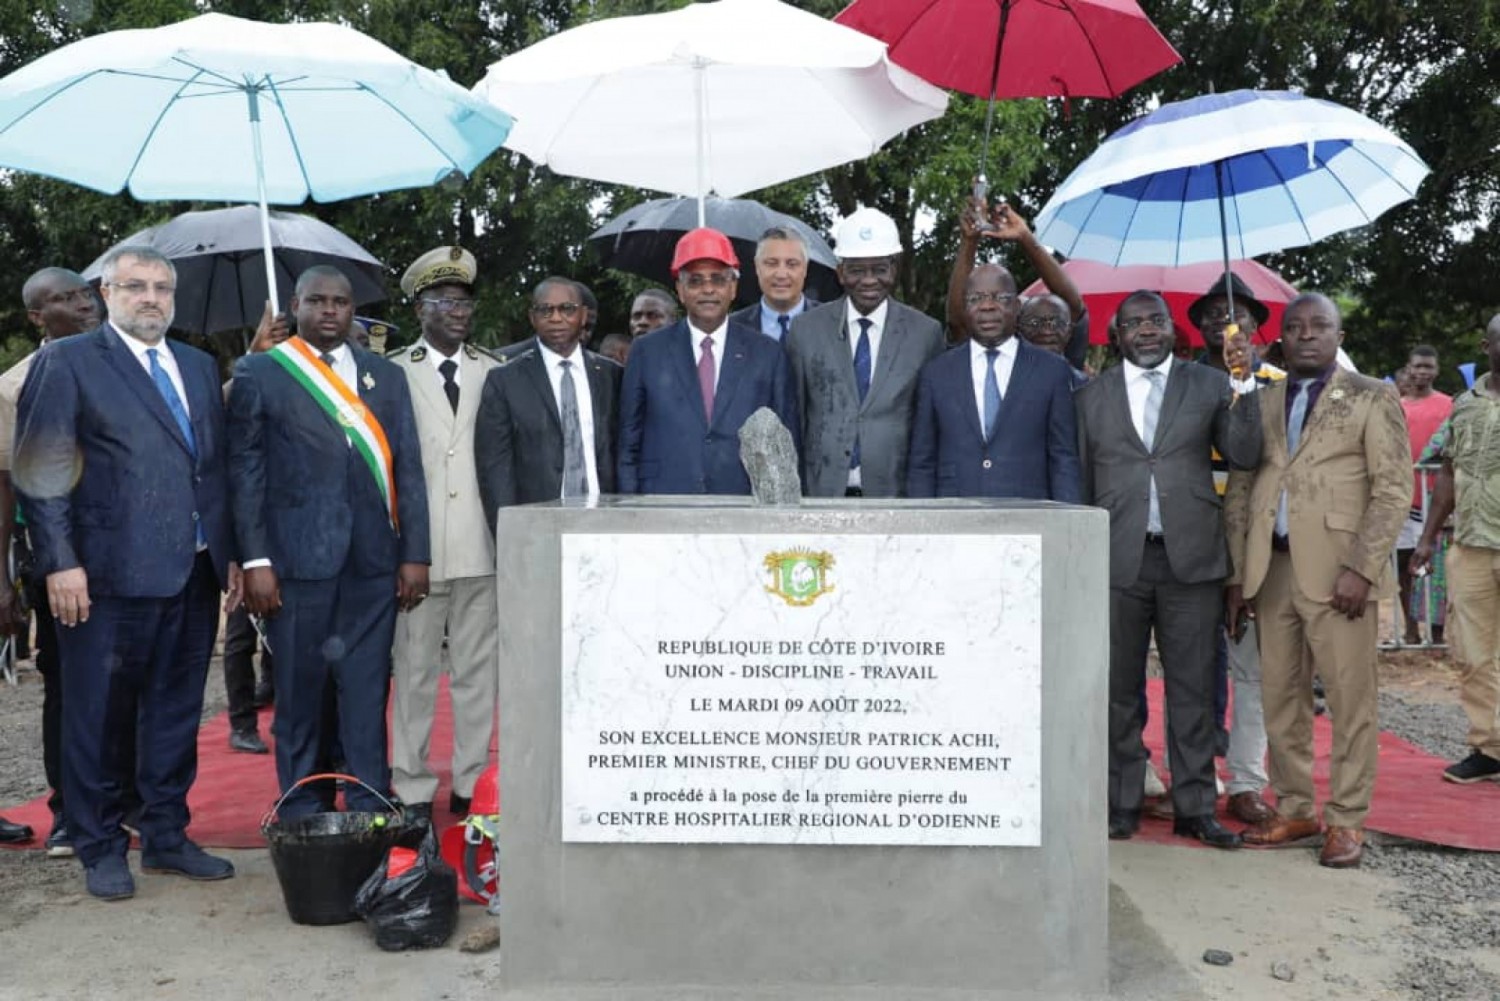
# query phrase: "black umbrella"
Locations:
[[221, 272], [640, 240]]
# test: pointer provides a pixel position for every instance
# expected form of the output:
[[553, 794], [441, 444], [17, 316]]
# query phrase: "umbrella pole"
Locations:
[[699, 68], [989, 115], [260, 191], [1231, 328]]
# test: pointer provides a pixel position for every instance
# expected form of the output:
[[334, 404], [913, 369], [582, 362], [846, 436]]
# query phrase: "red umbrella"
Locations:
[[1104, 288], [1018, 48]]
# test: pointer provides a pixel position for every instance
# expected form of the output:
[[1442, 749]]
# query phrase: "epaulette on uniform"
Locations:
[[418, 352], [474, 351]]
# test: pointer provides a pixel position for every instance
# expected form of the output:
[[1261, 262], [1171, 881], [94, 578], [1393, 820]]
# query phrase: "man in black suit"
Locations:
[[781, 271], [546, 423], [1146, 431], [120, 463], [330, 510]]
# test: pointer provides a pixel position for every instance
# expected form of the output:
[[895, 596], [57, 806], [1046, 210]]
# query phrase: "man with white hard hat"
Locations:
[[855, 362]]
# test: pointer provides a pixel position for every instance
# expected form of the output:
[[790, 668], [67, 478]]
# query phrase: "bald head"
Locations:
[[59, 303]]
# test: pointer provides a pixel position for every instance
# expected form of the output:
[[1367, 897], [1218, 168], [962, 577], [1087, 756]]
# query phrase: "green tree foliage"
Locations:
[[1428, 68]]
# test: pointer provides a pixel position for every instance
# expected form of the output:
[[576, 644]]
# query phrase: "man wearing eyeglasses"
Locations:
[[546, 423], [855, 362], [59, 303], [1045, 323], [1145, 431], [994, 415], [689, 387], [446, 374], [120, 463]]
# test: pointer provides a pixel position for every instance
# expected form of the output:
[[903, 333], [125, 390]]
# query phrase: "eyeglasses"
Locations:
[[545, 310], [998, 298], [84, 294], [449, 305], [140, 287], [1221, 315], [717, 279], [859, 272], [1134, 323], [1044, 323]]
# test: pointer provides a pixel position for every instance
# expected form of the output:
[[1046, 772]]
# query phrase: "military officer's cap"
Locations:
[[440, 266]]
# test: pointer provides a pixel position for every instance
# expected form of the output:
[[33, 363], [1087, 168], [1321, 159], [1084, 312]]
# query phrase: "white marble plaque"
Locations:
[[849, 689]]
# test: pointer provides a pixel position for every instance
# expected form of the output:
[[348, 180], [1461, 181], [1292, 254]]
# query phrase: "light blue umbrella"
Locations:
[[1229, 176], [222, 108]]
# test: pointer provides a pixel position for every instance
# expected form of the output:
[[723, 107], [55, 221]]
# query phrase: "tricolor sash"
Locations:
[[341, 403]]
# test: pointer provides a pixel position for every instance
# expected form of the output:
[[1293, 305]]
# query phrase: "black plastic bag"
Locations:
[[416, 909]]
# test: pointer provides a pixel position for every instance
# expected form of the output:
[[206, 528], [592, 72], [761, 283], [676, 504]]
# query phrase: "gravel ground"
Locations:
[[1450, 949]]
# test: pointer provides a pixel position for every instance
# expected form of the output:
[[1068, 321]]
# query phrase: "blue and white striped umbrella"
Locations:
[[1225, 176]]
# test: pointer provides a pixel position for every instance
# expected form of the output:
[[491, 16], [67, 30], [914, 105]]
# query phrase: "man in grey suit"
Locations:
[[1145, 433], [445, 373], [781, 271], [855, 362], [546, 423]]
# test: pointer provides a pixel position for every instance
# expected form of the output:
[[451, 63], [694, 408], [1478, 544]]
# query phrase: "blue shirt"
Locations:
[[770, 325]]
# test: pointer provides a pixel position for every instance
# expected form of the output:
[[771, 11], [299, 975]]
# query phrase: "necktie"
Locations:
[[173, 401], [575, 482], [991, 394], [785, 323], [862, 357], [1294, 421], [1158, 380], [180, 415], [449, 369], [327, 359], [706, 378]]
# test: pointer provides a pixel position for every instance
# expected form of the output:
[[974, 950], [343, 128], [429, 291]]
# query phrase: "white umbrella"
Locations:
[[225, 109], [721, 98]]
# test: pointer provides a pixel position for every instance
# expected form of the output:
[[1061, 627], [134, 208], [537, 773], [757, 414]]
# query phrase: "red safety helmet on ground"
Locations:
[[470, 848]]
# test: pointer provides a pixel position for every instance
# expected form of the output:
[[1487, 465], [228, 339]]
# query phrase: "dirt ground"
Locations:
[[1350, 934]]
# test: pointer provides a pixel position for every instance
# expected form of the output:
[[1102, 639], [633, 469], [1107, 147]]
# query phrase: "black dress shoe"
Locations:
[[1123, 824], [265, 695], [1207, 830], [247, 741], [417, 811], [458, 804], [14, 834]]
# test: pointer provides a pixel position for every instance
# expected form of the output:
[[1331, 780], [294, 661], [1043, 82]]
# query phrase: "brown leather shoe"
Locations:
[[1282, 832], [1249, 807], [1343, 847]]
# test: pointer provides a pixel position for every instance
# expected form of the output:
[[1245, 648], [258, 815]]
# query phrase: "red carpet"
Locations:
[[1411, 798], [234, 791]]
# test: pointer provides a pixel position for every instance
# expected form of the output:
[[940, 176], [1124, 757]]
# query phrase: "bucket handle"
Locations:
[[271, 817]]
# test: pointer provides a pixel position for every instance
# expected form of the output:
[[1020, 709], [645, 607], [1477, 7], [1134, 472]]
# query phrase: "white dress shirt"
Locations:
[[164, 355], [436, 359], [696, 336], [580, 376], [1138, 387], [343, 365], [979, 370]]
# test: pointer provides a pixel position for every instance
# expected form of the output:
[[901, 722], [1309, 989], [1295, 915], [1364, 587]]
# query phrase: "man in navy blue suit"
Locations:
[[994, 416], [120, 460], [690, 386], [330, 512]]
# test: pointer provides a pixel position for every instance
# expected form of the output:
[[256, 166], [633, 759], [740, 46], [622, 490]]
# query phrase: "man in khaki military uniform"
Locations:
[[446, 374]]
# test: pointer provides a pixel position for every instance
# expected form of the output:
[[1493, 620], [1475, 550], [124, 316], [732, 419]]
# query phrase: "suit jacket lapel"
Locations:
[[964, 392], [124, 361], [729, 371], [1120, 403], [598, 389], [470, 389], [683, 357], [536, 374], [1172, 398], [200, 400], [891, 343], [1314, 420], [428, 388]]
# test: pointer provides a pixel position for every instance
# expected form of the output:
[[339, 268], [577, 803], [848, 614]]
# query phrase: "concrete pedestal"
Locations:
[[598, 904]]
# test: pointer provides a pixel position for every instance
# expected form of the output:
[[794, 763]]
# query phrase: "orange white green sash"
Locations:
[[342, 404]]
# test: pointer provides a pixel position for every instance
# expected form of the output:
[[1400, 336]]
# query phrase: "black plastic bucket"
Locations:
[[322, 859]]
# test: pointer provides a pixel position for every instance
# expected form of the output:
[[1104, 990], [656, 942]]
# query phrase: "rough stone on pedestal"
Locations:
[[770, 459]]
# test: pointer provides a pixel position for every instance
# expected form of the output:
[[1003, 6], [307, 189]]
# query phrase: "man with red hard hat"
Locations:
[[689, 386]]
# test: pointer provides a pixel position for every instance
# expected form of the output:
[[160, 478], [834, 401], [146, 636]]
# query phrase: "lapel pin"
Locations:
[[368, 381], [1337, 394]]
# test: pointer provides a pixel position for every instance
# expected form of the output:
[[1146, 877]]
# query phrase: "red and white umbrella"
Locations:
[[1104, 287]]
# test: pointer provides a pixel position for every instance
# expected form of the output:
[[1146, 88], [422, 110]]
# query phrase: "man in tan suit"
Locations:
[[446, 374], [1310, 534]]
